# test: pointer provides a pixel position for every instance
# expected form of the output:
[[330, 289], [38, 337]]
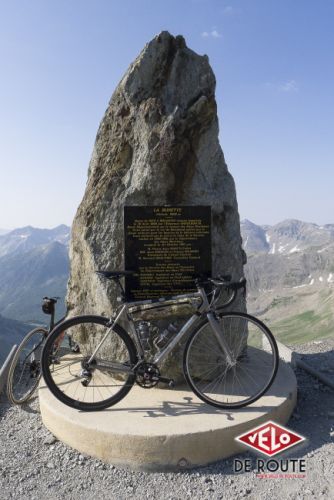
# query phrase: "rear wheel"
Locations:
[[76, 379], [235, 383], [25, 369]]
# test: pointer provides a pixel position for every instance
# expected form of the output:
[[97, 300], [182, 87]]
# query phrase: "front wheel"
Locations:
[[25, 369], [76, 379], [237, 382]]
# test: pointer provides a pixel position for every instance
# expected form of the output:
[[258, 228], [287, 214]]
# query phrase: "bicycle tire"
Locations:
[[257, 367], [29, 348], [92, 328]]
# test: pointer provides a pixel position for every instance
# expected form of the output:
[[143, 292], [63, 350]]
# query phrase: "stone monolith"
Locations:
[[157, 144]]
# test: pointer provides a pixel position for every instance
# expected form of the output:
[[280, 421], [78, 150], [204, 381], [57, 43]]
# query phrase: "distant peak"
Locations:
[[22, 230], [61, 228], [296, 223], [291, 221], [30, 229], [247, 222]]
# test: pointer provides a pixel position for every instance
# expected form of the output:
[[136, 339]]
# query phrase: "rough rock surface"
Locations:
[[157, 144]]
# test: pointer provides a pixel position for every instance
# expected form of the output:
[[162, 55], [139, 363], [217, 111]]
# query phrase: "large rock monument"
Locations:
[[157, 144]]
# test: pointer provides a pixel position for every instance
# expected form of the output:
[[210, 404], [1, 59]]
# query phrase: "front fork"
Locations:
[[219, 334]]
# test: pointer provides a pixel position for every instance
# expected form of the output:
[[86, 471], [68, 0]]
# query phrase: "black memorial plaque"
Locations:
[[167, 247]]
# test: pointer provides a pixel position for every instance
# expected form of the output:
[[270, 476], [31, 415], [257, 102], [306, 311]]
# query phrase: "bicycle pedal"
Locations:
[[169, 381]]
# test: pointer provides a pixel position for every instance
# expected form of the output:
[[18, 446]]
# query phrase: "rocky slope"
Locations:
[[11, 332], [33, 263], [290, 273], [27, 238], [287, 237], [35, 465]]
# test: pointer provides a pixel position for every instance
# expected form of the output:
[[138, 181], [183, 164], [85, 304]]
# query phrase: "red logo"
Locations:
[[270, 438]]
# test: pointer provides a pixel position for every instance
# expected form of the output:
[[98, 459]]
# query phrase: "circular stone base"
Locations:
[[162, 429]]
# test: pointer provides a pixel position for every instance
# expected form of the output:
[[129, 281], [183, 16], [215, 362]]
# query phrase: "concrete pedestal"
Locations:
[[161, 429]]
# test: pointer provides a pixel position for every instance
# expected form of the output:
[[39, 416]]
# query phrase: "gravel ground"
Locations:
[[34, 465]]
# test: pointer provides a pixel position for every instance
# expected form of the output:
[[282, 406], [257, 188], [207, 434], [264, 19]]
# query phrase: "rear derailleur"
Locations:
[[86, 372]]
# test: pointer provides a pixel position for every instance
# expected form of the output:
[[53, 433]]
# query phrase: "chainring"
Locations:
[[147, 375]]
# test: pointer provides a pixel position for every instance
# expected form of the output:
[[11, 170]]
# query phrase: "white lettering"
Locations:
[[263, 438], [285, 438]]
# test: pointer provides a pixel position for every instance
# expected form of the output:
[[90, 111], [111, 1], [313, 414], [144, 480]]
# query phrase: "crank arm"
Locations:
[[169, 381]]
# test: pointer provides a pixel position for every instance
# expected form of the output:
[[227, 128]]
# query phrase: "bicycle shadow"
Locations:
[[188, 406], [28, 406], [174, 408], [191, 405]]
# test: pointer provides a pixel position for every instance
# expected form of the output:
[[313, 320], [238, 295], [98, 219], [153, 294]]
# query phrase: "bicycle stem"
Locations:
[[107, 333]]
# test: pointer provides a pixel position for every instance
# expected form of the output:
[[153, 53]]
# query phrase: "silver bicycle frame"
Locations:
[[170, 346], [195, 318], [113, 323]]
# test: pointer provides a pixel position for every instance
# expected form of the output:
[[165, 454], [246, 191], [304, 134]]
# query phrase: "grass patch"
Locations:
[[304, 327], [281, 301]]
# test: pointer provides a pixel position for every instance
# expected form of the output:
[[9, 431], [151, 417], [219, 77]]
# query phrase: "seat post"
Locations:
[[53, 312], [52, 319]]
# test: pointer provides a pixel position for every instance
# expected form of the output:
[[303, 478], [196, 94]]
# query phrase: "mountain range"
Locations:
[[28, 238], [11, 333], [33, 263], [289, 271], [287, 237], [290, 276]]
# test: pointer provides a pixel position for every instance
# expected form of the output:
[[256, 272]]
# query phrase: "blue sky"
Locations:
[[60, 61]]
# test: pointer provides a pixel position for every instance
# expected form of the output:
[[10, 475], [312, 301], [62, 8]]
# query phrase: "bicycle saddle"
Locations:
[[114, 274]]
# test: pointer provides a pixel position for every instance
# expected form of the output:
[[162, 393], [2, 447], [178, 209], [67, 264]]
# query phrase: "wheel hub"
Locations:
[[34, 369], [87, 370]]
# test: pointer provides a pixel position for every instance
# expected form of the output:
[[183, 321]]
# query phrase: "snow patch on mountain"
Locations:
[[294, 249], [273, 249]]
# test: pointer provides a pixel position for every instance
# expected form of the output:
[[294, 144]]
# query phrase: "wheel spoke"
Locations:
[[245, 379], [24, 372], [82, 382]]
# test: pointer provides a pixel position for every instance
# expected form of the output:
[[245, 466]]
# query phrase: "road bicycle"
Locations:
[[25, 369], [230, 359]]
